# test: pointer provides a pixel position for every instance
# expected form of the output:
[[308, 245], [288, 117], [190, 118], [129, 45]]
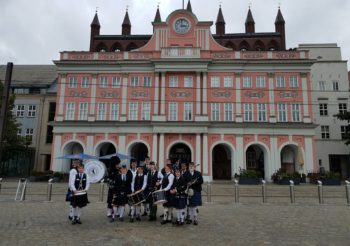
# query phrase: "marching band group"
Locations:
[[173, 187]]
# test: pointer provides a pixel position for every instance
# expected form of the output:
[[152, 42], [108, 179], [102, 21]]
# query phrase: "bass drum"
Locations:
[[95, 170]]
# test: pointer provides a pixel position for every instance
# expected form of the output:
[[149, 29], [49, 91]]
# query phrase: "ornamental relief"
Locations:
[[288, 94], [78, 94], [108, 94], [226, 94], [181, 94], [140, 94], [254, 94], [222, 56], [140, 56], [255, 55], [285, 55], [110, 56]]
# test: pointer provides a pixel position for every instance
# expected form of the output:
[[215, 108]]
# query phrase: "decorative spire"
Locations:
[[220, 18], [157, 18], [220, 23], [250, 23], [95, 21], [189, 6], [126, 18], [279, 18], [126, 26]]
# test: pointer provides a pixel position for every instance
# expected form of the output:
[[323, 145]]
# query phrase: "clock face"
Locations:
[[182, 26]]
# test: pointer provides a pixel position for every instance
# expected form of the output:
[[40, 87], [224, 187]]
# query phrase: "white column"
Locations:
[[90, 145], [205, 97], [272, 117], [305, 98], [121, 143], [161, 151], [205, 155], [60, 115], [154, 156], [93, 95], [238, 98], [274, 162], [156, 94], [124, 97], [309, 155], [240, 163], [198, 151], [162, 96], [57, 163], [198, 94]]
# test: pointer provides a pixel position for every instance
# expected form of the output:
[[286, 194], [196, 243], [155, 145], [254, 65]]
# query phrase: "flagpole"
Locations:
[[183, 4]]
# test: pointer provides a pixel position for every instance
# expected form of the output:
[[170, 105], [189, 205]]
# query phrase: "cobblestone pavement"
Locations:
[[222, 222]]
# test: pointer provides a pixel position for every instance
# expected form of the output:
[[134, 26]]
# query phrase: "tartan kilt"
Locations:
[[148, 195], [121, 199], [180, 203], [195, 200], [80, 201], [170, 200], [110, 197]]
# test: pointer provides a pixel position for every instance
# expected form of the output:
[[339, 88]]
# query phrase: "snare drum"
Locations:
[[159, 197], [136, 198]]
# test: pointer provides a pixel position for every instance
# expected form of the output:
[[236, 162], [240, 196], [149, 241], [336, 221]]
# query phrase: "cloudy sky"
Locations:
[[34, 31]]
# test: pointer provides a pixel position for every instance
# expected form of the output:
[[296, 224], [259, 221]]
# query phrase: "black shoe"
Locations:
[[111, 220], [78, 221], [144, 214], [74, 222], [121, 219], [131, 220], [195, 222], [181, 223], [109, 216], [138, 218], [70, 217], [163, 222], [189, 222]]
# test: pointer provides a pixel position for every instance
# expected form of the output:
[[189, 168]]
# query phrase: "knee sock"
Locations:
[[195, 213], [191, 213], [166, 213], [115, 211], [71, 209], [138, 210], [121, 211], [132, 214], [170, 215], [178, 215], [182, 215]]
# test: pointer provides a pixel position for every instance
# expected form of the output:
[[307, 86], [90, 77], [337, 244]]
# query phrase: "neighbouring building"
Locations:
[[330, 93], [35, 104], [225, 101]]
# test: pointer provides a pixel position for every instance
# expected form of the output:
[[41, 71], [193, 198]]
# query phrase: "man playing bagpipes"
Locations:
[[180, 201], [113, 171], [154, 179]]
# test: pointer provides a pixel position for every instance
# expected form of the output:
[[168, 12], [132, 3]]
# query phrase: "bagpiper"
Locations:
[[154, 179]]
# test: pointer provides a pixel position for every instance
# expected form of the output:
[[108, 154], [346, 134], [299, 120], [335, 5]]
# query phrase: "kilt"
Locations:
[[195, 200], [110, 198], [149, 198], [180, 203], [121, 199], [80, 201], [170, 200]]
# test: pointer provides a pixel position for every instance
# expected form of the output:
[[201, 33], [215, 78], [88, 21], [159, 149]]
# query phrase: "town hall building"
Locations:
[[226, 101]]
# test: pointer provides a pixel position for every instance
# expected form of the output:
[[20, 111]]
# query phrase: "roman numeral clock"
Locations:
[[182, 26]]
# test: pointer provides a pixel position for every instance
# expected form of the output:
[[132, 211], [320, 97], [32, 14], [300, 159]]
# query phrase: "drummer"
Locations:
[[146, 206], [167, 183], [114, 170], [138, 185], [178, 189], [79, 184], [154, 179]]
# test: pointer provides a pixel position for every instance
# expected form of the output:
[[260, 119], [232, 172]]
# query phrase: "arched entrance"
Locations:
[[221, 159], [255, 159], [139, 151], [180, 153], [289, 159], [70, 149], [103, 149]]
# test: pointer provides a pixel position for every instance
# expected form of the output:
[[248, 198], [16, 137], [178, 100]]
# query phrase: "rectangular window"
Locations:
[[323, 109], [116, 81], [134, 82], [247, 82], [248, 112], [103, 82], [228, 111], [72, 82], [146, 111], [335, 86], [49, 134], [172, 111], [188, 107], [293, 81], [343, 132], [133, 110], [262, 114], [101, 111], [188, 82], [19, 132], [70, 111], [343, 107], [280, 83], [31, 111], [146, 81], [114, 111], [228, 82], [260, 82], [85, 82], [296, 112], [282, 112], [20, 111], [215, 111], [83, 111], [215, 81], [173, 82], [21, 91], [325, 132], [322, 85], [29, 134]]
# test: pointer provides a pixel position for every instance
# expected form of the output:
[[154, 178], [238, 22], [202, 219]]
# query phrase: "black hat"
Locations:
[[152, 163], [124, 166]]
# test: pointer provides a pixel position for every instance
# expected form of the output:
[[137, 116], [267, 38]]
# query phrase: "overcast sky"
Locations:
[[34, 31]]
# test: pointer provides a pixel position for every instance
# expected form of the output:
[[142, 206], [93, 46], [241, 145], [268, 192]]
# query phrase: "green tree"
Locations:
[[345, 116], [11, 142]]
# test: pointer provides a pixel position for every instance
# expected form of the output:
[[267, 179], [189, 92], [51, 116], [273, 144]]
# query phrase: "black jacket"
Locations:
[[197, 186]]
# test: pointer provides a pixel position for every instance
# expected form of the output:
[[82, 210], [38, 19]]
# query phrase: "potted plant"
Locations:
[[330, 178], [283, 178], [36, 176], [57, 177], [249, 177]]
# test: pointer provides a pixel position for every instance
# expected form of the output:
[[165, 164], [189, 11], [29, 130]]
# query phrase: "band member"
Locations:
[[167, 182], [79, 185], [138, 184], [178, 189], [196, 178], [133, 169], [121, 191], [168, 162], [183, 168], [146, 208], [72, 173], [114, 170], [154, 179]]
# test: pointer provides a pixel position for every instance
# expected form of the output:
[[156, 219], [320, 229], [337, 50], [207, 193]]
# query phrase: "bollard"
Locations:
[[263, 191], [102, 189], [291, 188], [0, 184], [208, 192], [49, 190], [320, 192], [236, 191], [347, 190]]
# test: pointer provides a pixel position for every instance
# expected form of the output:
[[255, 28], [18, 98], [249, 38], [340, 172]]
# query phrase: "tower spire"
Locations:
[[280, 28], [189, 6], [157, 18], [95, 30], [126, 26], [220, 23], [249, 23]]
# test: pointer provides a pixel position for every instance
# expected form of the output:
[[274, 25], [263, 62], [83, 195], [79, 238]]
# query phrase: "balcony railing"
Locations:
[[181, 52]]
